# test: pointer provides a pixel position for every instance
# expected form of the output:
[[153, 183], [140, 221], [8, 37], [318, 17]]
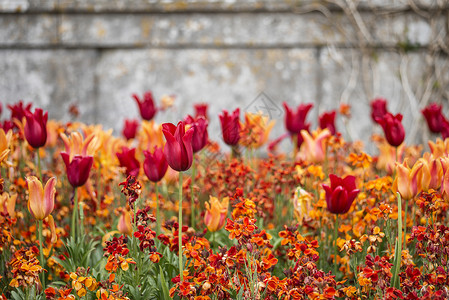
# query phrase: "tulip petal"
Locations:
[[49, 195]]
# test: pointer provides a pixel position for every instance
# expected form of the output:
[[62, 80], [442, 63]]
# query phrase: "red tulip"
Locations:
[[7, 125], [200, 136], [445, 129], [146, 107], [201, 110], [78, 168], [36, 128], [378, 109], [155, 165], [130, 129], [127, 159], [327, 120], [230, 127], [341, 193], [18, 111], [393, 129], [178, 150], [434, 117], [295, 122]]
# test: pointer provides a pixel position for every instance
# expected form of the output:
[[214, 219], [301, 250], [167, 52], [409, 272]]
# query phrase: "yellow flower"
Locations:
[[302, 203], [77, 145], [41, 201], [216, 212]]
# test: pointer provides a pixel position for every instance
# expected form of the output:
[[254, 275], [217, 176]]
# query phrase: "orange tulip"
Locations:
[[41, 201], [216, 212], [432, 172], [8, 204], [124, 223], [5, 139], [313, 147], [439, 148], [408, 181]]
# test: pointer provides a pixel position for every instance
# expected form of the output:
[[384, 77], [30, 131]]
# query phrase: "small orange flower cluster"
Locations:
[[25, 268]]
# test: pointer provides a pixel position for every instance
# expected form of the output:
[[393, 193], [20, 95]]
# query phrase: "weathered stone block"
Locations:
[[50, 79], [16, 30]]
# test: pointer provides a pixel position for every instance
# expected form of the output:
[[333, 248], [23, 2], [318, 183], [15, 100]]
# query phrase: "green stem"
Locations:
[[74, 215], [213, 240], [398, 249], [405, 225], [81, 219], [158, 220], [181, 275], [39, 170], [335, 246], [192, 197], [41, 253]]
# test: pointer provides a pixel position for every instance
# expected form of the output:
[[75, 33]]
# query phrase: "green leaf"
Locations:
[[164, 286]]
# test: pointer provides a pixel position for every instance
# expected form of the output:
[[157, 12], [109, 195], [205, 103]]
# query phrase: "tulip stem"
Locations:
[[181, 275], [41, 253], [74, 214], [405, 224], [39, 164], [192, 197], [295, 146], [335, 246], [213, 239], [158, 220]]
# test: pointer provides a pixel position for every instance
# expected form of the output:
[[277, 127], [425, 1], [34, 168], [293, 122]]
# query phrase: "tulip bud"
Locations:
[[378, 109], [434, 117], [127, 159], [230, 127], [216, 213], [393, 129], [155, 165], [146, 107], [124, 223], [36, 128], [341, 193], [130, 129], [178, 150], [78, 168], [327, 120]]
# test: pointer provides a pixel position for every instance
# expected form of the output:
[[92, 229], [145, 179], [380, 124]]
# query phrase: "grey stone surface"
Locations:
[[202, 5], [28, 30], [52, 80], [226, 79]]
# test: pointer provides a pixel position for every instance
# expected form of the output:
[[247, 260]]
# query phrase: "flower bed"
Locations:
[[88, 215]]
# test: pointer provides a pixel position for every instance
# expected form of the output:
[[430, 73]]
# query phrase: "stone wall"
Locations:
[[96, 53]]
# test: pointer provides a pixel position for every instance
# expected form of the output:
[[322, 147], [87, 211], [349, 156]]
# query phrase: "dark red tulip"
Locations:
[[434, 117], [296, 121], [341, 193], [327, 120], [393, 129], [18, 110], [78, 168], [7, 125], [378, 109], [178, 150], [155, 165], [146, 106], [127, 159], [201, 110], [445, 129], [200, 136], [230, 127], [130, 129], [36, 128]]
